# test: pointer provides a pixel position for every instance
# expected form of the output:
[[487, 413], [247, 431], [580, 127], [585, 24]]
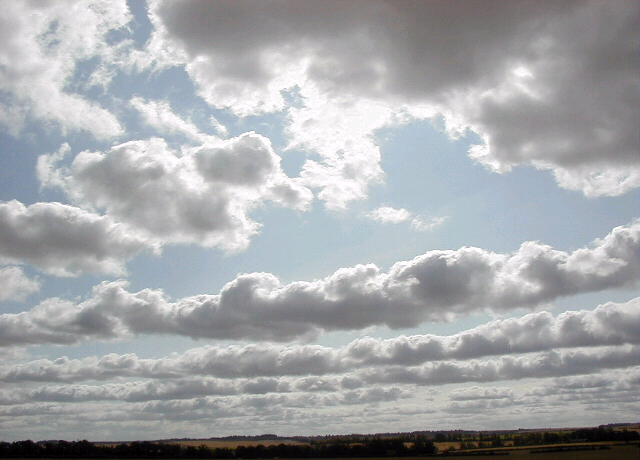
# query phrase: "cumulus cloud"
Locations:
[[527, 78], [64, 240], [202, 195], [15, 285], [436, 286], [42, 47]]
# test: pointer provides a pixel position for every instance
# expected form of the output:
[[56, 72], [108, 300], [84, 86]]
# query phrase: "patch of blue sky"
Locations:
[[170, 83], [173, 86], [48, 39], [81, 81], [144, 346], [291, 245], [19, 156], [432, 176], [436, 179], [140, 26]]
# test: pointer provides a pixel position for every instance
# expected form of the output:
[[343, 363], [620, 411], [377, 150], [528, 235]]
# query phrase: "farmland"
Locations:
[[602, 443]]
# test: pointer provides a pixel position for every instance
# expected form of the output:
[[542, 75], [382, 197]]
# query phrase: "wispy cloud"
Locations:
[[390, 215]]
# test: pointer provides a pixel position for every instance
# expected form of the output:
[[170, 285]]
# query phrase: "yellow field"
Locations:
[[442, 446]]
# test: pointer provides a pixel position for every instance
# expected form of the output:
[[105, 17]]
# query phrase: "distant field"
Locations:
[[214, 444]]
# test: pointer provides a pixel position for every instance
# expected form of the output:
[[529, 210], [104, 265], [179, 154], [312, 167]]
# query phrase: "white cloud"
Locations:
[[15, 285], [64, 240], [422, 226], [219, 127], [387, 214], [43, 46], [202, 195], [341, 133], [160, 116], [551, 87]]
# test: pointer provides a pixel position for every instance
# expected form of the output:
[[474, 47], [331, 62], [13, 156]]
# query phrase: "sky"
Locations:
[[317, 217]]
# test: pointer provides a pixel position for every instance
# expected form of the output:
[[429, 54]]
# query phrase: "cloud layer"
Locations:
[[437, 286], [593, 366], [609, 330]]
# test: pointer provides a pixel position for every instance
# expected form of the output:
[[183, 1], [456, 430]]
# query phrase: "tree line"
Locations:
[[375, 447]]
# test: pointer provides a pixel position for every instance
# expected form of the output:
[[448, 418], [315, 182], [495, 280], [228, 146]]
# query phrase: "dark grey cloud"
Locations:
[[437, 286], [546, 85]]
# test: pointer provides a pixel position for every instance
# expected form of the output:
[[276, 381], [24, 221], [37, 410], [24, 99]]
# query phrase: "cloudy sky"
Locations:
[[317, 217]]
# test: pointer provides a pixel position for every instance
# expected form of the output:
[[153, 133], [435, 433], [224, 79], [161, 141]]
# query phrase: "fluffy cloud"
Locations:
[[436, 286], [42, 46], [15, 285], [201, 196], [64, 240], [527, 78]]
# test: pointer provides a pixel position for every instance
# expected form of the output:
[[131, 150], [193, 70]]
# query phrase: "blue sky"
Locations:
[[312, 217]]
